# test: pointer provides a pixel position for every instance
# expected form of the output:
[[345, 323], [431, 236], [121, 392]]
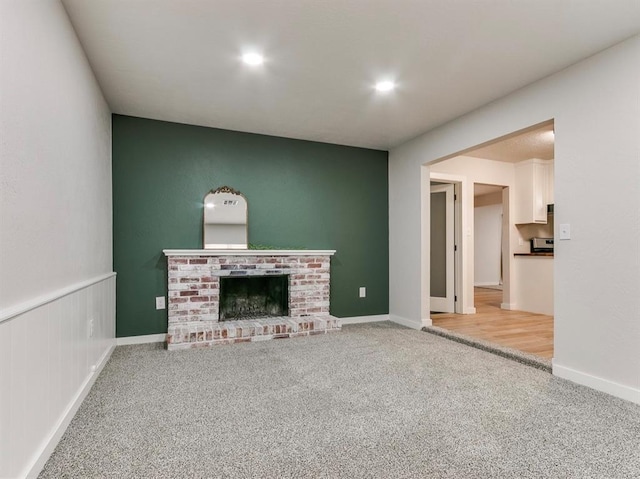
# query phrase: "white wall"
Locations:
[[596, 108], [55, 234], [487, 230], [488, 199], [55, 162]]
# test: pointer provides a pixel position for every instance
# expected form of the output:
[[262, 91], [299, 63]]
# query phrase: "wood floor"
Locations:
[[528, 332]]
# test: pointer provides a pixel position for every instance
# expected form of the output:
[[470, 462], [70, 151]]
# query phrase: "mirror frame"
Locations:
[[229, 190]]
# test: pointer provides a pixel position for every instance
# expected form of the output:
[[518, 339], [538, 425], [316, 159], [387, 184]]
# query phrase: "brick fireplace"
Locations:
[[194, 280]]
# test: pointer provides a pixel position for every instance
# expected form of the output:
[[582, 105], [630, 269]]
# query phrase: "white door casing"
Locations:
[[442, 249]]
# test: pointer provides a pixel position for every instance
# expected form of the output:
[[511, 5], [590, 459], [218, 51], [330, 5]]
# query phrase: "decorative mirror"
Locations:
[[225, 219]]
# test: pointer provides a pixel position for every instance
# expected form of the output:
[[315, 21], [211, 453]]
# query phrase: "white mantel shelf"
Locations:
[[248, 252]]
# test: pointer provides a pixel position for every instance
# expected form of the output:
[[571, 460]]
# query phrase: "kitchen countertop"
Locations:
[[548, 255]]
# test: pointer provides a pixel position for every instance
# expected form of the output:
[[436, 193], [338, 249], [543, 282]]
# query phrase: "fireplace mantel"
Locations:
[[248, 252]]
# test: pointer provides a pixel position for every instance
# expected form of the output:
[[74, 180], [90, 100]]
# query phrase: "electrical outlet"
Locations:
[[363, 292], [90, 328], [160, 304]]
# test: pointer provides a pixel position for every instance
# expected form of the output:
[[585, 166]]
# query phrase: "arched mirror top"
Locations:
[[225, 219]]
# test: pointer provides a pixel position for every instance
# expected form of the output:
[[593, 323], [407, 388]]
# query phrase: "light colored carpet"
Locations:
[[376, 400]]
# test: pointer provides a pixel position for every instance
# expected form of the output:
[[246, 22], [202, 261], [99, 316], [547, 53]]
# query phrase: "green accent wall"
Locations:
[[301, 194]]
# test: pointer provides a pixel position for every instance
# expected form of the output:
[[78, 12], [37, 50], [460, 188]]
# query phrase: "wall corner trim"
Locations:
[[49, 444], [621, 391], [364, 319], [145, 339]]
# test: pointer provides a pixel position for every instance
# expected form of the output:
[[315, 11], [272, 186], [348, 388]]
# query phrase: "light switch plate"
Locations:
[[565, 231], [363, 292]]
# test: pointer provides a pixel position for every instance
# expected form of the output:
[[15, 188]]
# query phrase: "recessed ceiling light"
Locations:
[[385, 86], [253, 59]]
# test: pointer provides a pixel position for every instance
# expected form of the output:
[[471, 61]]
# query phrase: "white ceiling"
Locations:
[[538, 143], [178, 60], [480, 189]]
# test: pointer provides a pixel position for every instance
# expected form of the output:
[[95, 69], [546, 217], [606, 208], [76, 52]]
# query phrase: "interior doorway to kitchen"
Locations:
[[498, 278]]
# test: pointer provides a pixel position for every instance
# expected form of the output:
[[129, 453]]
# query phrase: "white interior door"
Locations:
[[442, 249]]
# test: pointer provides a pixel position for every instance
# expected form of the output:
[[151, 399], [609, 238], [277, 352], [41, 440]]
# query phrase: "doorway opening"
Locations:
[[503, 289], [490, 234]]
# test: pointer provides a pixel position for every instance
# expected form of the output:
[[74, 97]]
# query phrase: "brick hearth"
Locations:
[[194, 295]]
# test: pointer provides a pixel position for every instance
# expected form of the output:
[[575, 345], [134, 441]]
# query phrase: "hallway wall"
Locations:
[[57, 290], [487, 224]]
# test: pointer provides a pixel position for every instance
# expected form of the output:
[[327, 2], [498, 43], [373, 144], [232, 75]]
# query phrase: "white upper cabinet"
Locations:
[[533, 189], [550, 182]]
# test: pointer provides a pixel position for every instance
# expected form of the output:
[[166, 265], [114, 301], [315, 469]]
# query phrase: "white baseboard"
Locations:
[[509, 306], [469, 310], [50, 443], [410, 323], [149, 338], [486, 283], [615, 389], [364, 319]]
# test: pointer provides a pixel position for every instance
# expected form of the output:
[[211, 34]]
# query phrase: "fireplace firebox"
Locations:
[[249, 297]]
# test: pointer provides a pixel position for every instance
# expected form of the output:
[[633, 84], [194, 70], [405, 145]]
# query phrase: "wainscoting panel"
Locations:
[[49, 358]]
